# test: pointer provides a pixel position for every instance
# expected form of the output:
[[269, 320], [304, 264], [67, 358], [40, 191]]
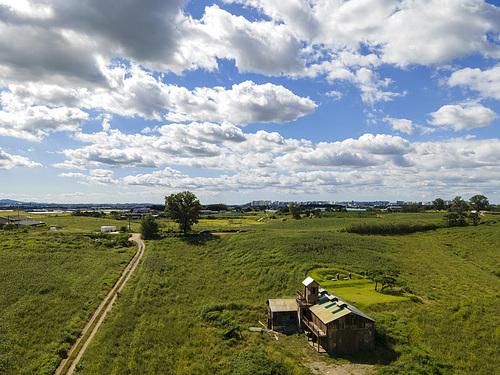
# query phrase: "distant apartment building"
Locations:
[[363, 204], [260, 203]]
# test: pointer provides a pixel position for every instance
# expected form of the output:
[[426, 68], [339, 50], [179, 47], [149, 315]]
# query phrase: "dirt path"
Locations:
[[68, 365]]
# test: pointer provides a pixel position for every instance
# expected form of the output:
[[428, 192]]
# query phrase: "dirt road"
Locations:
[[68, 365]]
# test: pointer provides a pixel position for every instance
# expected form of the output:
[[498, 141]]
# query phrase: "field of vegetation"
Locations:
[[50, 285], [357, 290], [67, 223], [188, 292]]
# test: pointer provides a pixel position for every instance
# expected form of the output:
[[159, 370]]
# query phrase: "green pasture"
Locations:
[[80, 224], [50, 285], [187, 292], [358, 291], [222, 223]]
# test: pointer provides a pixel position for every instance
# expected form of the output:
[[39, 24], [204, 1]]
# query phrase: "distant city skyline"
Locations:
[[258, 203], [240, 99]]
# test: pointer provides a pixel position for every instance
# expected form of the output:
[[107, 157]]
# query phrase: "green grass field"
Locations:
[[358, 291], [187, 292], [80, 224], [452, 272], [50, 285]]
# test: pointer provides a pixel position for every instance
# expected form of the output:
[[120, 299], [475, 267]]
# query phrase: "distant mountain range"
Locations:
[[10, 201]]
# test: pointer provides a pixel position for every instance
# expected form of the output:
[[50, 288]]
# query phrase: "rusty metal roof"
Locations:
[[282, 305]]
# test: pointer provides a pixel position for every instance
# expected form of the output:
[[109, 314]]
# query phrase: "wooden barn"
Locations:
[[332, 323]]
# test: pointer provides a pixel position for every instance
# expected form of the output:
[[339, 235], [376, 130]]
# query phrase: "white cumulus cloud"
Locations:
[[463, 117], [8, 161], [487, 82]]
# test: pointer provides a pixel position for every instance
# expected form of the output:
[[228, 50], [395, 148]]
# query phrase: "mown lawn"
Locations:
[[50, 285], [358, 291]]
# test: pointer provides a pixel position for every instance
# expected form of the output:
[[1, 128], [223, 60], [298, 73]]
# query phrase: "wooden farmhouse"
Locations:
[[333, 324]]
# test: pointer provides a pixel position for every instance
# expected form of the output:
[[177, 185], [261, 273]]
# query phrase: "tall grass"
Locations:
[[50, 284], [189, 291]]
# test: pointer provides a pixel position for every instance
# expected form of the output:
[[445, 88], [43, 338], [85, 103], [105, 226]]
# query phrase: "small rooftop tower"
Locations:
[[311, 290]]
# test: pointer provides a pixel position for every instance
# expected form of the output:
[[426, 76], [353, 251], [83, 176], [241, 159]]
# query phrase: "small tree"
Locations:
[[294, 210], [474, 218], [184, 208], [149, 227], [385, 279], [459, 205], [456, 219], [479, 202]]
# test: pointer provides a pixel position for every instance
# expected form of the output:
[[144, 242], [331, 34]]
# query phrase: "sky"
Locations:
[[241, 100]]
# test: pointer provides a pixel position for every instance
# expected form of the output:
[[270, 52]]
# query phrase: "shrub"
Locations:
[[256, 362], [149, 228], [390, 228]]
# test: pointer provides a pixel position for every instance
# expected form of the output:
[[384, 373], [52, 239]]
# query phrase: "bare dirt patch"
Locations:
[[340, 369]]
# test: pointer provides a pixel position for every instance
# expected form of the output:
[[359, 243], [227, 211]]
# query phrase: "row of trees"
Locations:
[[477, 203], [184, 208]]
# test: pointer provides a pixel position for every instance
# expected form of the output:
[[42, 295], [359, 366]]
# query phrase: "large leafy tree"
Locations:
[[184, 208], [479, 202], [459, 205]]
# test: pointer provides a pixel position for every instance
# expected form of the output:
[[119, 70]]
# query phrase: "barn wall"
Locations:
[[318, 323], [284, 320], [350, 333]]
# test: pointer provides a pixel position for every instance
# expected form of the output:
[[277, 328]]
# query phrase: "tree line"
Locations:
[[184, 209]]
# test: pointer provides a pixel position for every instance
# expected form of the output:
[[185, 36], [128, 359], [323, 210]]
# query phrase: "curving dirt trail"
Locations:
[[68, 365]]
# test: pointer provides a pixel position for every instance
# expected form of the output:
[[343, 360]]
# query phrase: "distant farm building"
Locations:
[[19, 220], [142, 210], [332, 324], [108, 228]]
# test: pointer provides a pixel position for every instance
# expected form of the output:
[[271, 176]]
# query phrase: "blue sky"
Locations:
[[240, 100]]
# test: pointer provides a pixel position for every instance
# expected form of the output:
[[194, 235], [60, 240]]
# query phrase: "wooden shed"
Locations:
[[282, 315]]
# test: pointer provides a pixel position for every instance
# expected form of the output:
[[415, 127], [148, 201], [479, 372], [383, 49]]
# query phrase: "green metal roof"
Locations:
[[336, 309]]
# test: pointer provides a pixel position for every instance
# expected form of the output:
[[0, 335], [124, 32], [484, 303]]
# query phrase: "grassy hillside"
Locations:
[[188, 292], [50, 284]]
